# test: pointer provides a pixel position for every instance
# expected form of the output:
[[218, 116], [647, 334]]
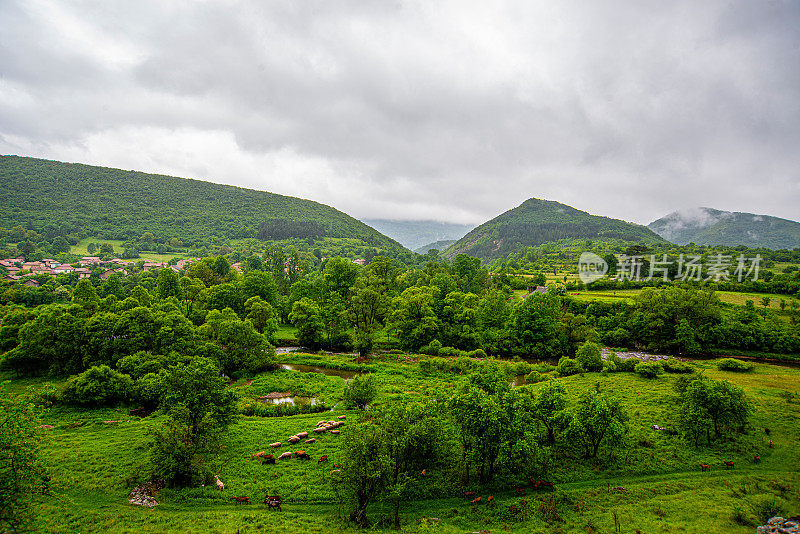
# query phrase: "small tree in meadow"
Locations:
[[360, 391], [589, 356]]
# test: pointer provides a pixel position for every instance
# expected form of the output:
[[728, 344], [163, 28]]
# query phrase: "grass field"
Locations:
[[93, 465], [80, 250], [728, 297]]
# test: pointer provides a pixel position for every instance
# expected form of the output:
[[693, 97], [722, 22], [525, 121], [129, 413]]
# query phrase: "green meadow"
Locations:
[[651, 483]]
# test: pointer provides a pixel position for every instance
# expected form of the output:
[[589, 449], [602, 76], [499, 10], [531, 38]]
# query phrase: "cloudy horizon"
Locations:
[[446, 111]]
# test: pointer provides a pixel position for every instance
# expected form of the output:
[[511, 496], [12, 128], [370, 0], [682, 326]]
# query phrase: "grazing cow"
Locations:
[[293, 440], [302, 435], [468, 494], [756, 459], [312, 440], [521, 491], [424, 472], [273, 502], [303, 455], [770, 444], [541, 484], [320, 423], [704, 467], [334, 431], [285, 456], [323, 458], [220, 485], [319, 429], [476, 500], [268, 461], [342, 417], [241, 500], [490, 499], [259, 454], [728, 465], [275, 445]]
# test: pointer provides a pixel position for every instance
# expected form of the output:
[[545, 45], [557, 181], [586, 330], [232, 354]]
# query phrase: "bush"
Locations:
[[568, 366], [649, 369], [477, 353], [534, 377], [432, 348], [767, 508], [147, 390], [734, 365], [589, 356], [626, 365], [98, 386], [671, 365], [360, 391]]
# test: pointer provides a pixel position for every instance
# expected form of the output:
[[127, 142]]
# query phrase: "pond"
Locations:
[[347, 375], [287, 398]]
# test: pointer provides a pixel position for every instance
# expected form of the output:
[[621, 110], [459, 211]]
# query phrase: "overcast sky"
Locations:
[[455, 111]]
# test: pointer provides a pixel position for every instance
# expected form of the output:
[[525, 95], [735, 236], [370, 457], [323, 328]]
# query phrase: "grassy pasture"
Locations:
[[81, 250], [94, 463]]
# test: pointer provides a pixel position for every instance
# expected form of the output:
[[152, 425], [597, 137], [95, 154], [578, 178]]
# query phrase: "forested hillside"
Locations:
[[538, 221], [54, 198], [706, 226]]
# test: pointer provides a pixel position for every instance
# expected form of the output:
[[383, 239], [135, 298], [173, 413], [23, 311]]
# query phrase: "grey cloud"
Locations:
[[419, 109]]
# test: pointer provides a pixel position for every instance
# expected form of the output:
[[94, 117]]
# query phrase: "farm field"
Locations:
[[81, 250], [94, 463], [728, 297]]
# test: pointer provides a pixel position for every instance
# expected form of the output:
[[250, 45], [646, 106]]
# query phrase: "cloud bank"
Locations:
[[454, 111]]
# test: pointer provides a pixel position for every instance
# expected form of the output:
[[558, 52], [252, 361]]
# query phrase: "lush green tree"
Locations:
[[167, 284], [549, 407], [479, 418], [200, 408], [52, 342], [221, 267], [589, 357], [713, 405], [339, 275], [91, 248], [260, 284], [597, 420], [306, 317], [98, 386], [141, 294], [263, 316], [536, 326], [20, 467], [85, 294], [221, 296], [360, 391], [458, 321], [367, 307], [243, 348], [413, 317]]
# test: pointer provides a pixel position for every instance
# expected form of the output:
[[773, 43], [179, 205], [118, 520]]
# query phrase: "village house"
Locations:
[[360, 261]]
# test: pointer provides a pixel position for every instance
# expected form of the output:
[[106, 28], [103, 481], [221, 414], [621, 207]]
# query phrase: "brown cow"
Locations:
[[704, 467], [285, 455], [756, 459], [468, 494], [477, 500], [770, 444], [273, 502], [490, 499], [728, 465], [312, 440], [303, 455], [521, 491], [323, 458], [259, 454], [241, 500]]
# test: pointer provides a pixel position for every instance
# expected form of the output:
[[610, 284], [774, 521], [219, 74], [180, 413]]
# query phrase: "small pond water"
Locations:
[[291, 400]]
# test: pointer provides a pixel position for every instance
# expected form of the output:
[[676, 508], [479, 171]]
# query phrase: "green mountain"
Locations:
[[538, 221], [414, 234], [437, 245], [706, 226], [55, 198]]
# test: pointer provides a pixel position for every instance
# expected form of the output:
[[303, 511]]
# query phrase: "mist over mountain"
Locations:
[[707, 226], [414, 234]]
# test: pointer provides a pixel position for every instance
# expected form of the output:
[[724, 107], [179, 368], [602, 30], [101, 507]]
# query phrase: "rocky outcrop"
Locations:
[[144, 494], [780, 525]]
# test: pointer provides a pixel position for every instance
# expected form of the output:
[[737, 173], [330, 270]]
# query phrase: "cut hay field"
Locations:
[[93, 465]]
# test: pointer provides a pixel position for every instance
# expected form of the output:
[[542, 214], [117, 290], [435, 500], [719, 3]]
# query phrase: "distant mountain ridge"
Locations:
[[538, 221], [120, 204], [437, 245], [414, 234], [707, 226]]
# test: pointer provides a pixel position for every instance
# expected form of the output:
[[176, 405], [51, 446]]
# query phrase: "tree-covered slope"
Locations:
[[119, 204], [538, 221], [706, 226]]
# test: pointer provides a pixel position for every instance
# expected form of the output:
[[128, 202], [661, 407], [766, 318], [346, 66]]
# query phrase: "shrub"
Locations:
[[626, 365], [767, 508], [534, 377], [477, 353], [671, 365], [432, 348], [99, 385], [568, 366], [649, 369], [734, 365], [589, 356], [446, 352], [147, 390], [609, 366]]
